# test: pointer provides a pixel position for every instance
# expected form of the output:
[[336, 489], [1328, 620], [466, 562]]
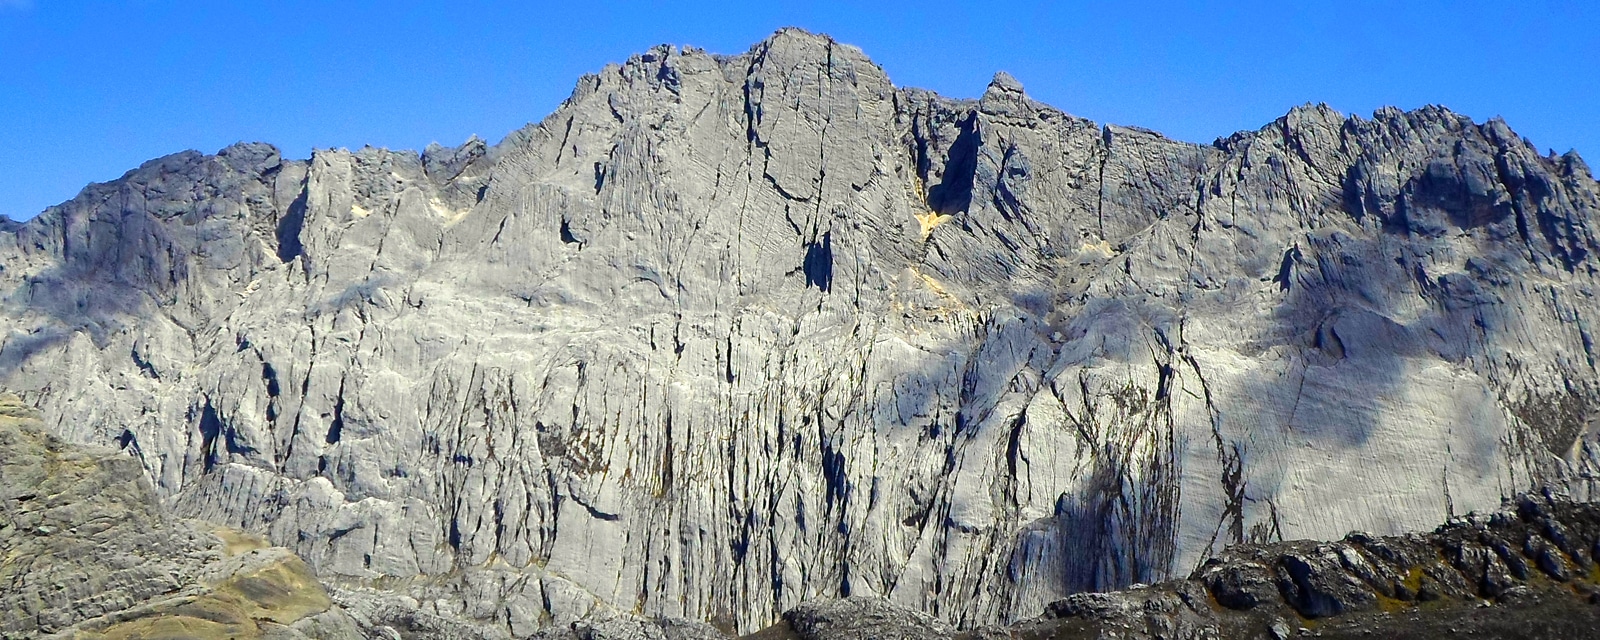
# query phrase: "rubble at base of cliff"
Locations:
[[1526, 572]]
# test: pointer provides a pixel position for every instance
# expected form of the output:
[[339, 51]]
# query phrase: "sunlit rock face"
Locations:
[[724, 334]]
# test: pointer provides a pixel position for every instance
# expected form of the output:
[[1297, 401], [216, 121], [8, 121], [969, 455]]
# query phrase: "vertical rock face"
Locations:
[[723, 334]]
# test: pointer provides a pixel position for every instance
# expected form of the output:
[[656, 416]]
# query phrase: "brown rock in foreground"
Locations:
[[88, 553]]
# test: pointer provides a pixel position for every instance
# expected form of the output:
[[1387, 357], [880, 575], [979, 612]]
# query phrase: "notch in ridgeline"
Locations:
[[818, 265], [953, 194], [288, 231]]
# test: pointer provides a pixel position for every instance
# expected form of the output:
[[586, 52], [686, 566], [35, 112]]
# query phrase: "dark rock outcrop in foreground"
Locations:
[[1525, 572]]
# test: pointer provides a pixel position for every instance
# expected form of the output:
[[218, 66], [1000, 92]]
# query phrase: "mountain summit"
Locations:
[[727, 333]]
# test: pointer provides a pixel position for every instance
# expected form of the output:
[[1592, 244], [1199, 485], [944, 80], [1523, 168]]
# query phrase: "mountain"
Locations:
[[724, 334]]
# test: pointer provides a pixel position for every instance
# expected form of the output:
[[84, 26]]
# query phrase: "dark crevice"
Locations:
[[818, 264], [271, 376], [288, 232], [596, 513], [210, 428], [953, 194], [145, 368], [566, 233], [1285, 275], [340, 533], [336, 426]]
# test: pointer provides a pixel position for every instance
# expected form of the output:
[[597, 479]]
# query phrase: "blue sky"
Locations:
[[89, 90]]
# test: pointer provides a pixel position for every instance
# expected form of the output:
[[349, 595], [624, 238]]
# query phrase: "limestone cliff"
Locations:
[[727, 333]]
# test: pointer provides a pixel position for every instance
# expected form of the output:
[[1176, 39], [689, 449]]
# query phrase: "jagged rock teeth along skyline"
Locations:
[[726, 333]]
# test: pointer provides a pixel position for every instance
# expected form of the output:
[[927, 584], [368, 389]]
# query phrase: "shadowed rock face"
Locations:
[[1526, 571], [723, 334]]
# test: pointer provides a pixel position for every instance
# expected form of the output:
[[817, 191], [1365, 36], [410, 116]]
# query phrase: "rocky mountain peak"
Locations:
[[1573, 166], [1004, 97], [1004, 83], [726, 333]]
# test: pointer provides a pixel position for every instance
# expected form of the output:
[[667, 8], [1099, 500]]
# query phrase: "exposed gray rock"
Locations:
[[88, 554], [864, 618], [1416, 586], [725, 334]]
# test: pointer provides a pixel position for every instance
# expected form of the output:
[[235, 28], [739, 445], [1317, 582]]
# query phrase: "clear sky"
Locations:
[[89, 90]]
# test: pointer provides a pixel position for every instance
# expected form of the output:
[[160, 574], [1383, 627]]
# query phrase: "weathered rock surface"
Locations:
[[1523, 572], [1526, 571], [87, 553], [864, 618], [724, 334]]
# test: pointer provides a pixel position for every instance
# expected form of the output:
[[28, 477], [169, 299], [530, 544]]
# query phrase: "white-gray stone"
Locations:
[[726, 334]]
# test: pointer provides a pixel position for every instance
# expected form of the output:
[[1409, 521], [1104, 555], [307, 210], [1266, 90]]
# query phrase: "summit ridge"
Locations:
[[724, 334]]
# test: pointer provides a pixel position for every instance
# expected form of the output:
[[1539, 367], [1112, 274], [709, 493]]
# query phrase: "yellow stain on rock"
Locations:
[[283, 591], [927, 218], [936, 287], [1102, 247], [930, 221], [451, 216], [235, 542]]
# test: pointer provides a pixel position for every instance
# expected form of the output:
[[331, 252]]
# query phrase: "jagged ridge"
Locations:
[[724, 334]]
